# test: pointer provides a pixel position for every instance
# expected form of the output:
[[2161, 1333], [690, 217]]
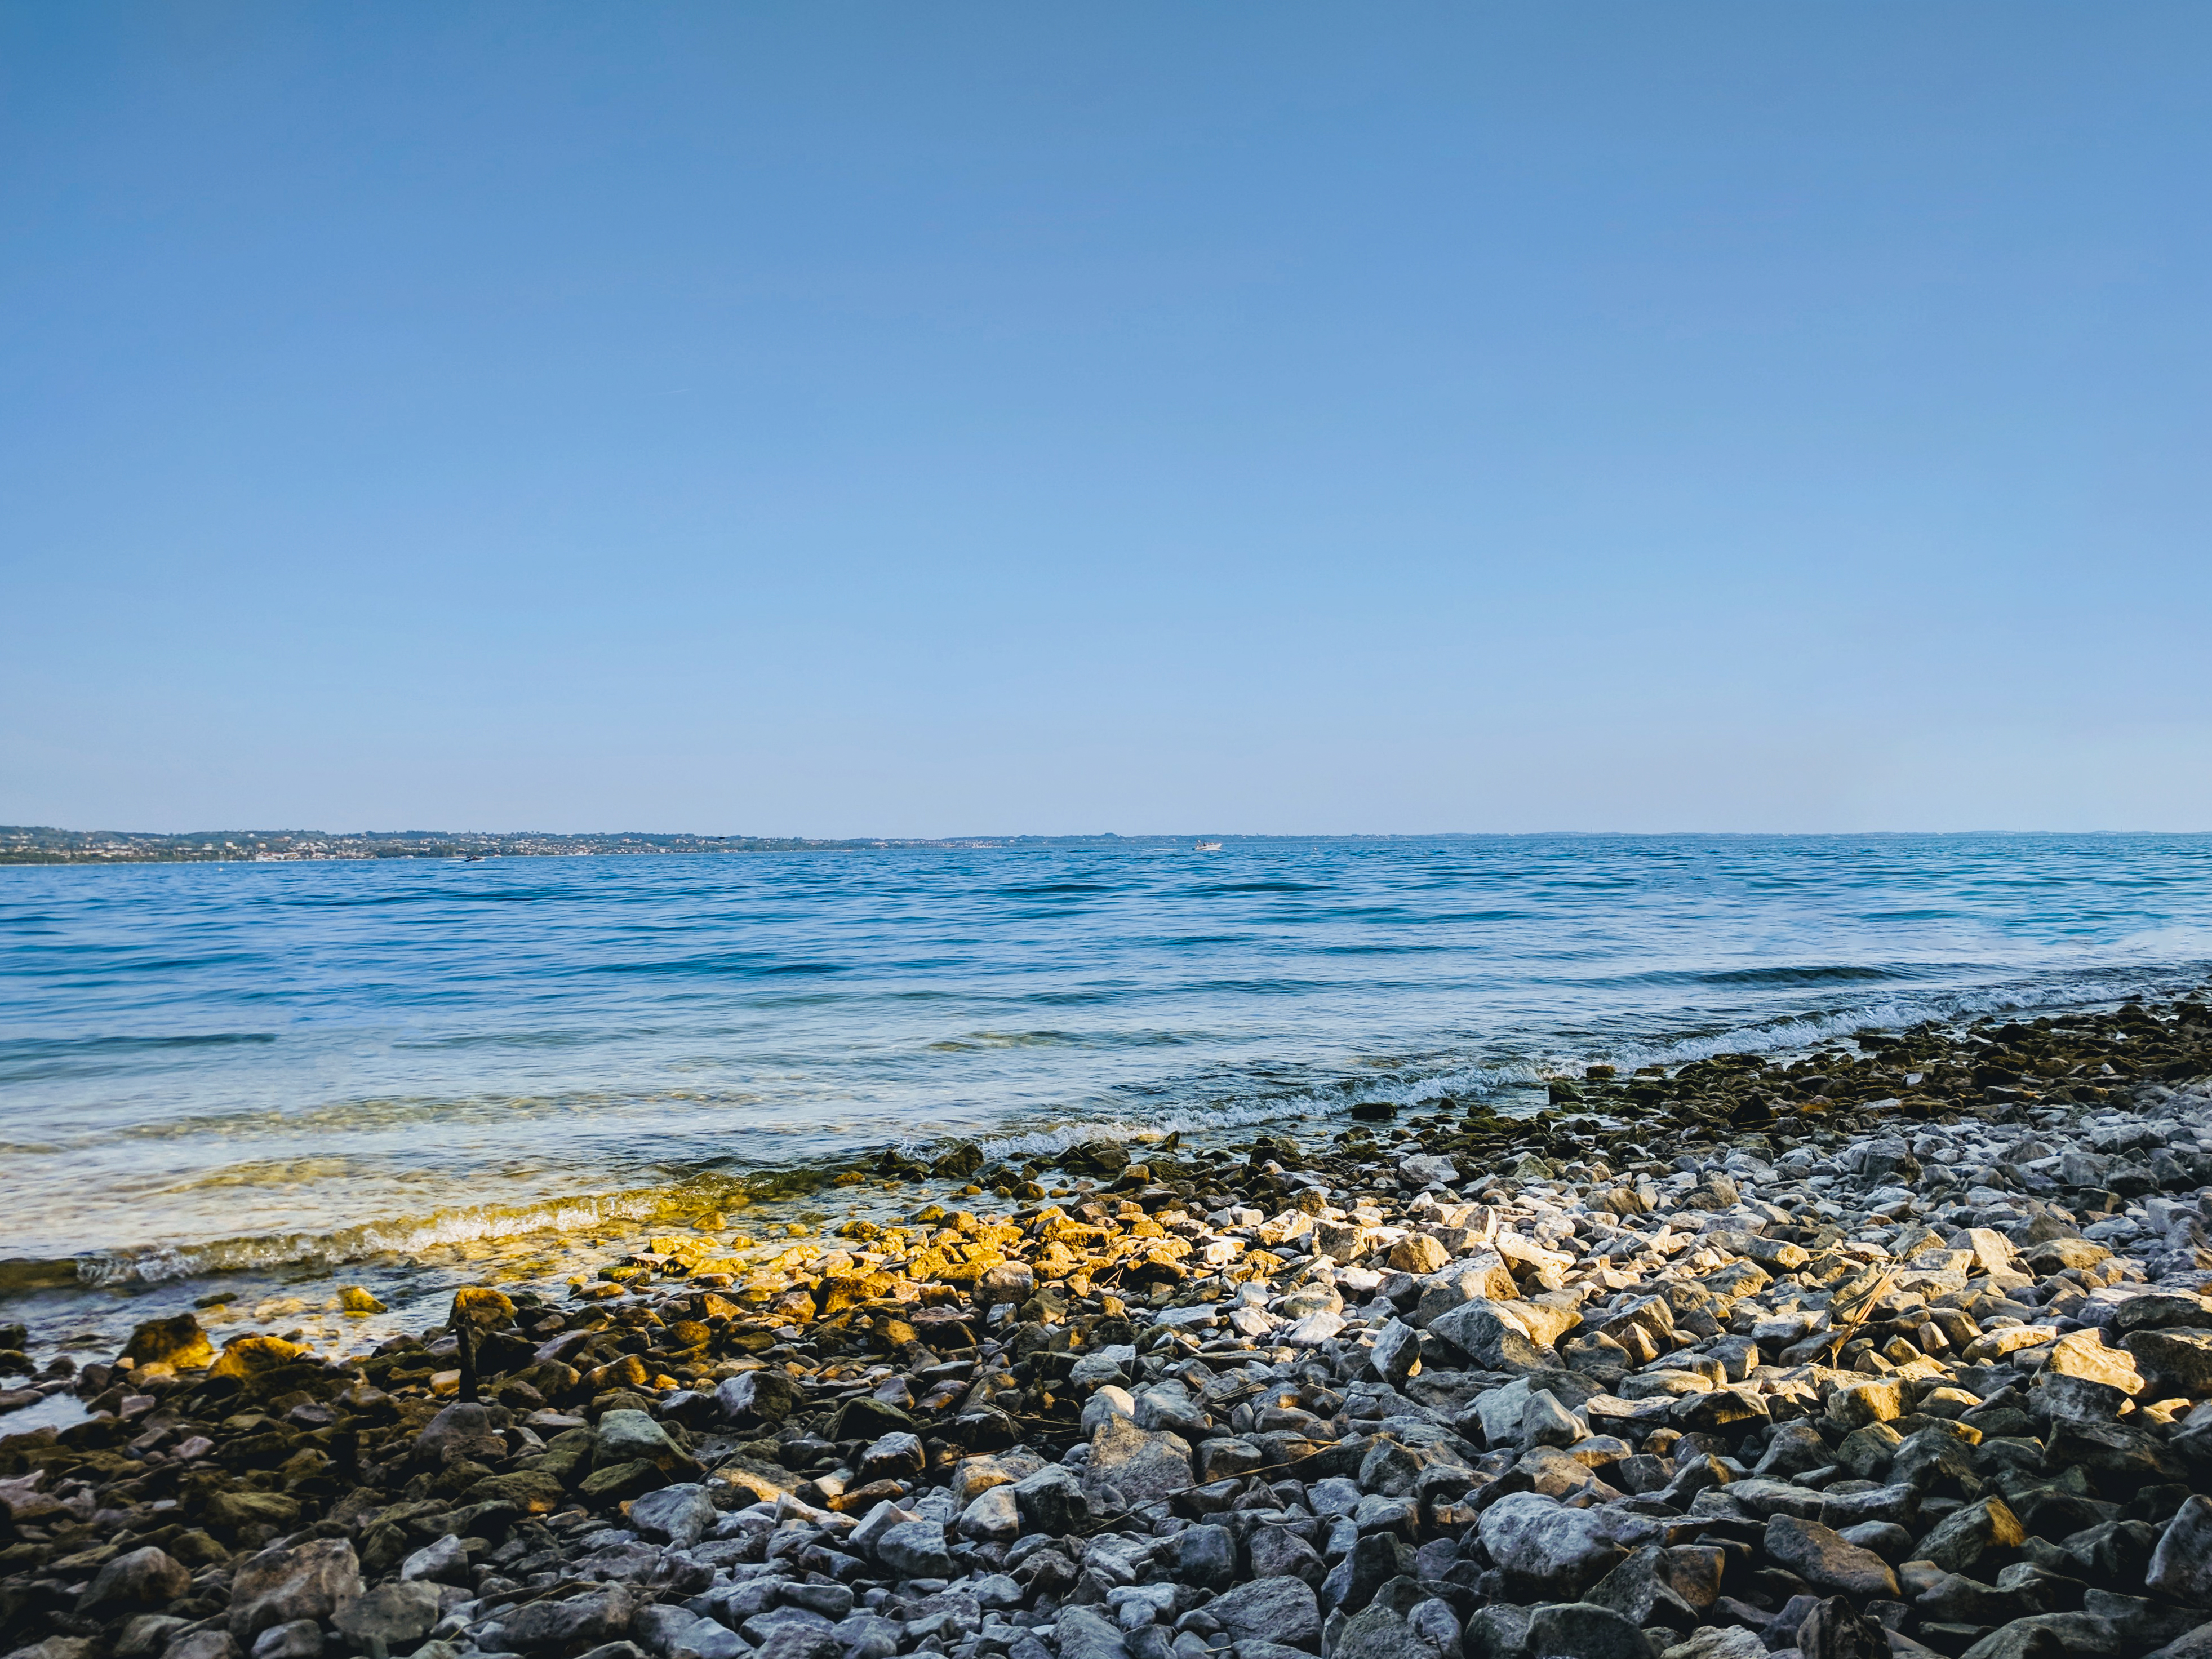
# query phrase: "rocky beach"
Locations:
[[1898, 1346]]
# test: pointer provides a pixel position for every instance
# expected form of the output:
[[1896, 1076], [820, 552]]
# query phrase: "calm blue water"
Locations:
[[205, 1066]]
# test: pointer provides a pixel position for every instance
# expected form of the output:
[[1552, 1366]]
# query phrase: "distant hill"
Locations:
[[26, 844]]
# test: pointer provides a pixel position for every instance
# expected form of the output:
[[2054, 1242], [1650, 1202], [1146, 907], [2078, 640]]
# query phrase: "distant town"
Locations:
[[24, 844]]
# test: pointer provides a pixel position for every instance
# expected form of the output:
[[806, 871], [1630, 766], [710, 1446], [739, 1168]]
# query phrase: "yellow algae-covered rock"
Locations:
[[627, 1372], [841, 1290], [482, 1307], [952, 1262], [246, 1356], [178, 1343], [354, 1300], [1066, 1230], [1056, 1261]]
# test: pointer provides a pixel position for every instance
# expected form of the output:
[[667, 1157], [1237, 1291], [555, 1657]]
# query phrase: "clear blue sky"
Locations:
[[932, 419]]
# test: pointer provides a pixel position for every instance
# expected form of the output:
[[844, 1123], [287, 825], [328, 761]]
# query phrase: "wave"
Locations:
[[404, 1236], [1828, 974], [980, 1040], [734, 962]]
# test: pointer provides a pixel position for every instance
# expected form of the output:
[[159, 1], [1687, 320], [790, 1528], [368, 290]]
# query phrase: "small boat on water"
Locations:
[[1206, 847]]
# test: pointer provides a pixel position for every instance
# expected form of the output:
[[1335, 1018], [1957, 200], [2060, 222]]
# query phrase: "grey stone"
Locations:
[[830, 1601], [1959, 1542], [398, 1615], [1052, 1500], [1203, 1556], [2196, 1644], [302, 1638], [306, 1581], [1638, 1589], [1795, 1449], [631, 1562], [680, 1514], [139, 1578], [916, 1549], [600, 1615], [1435, 1628], [995, 1515], [1718, 1641], [703, 1638], [997, 1590], [1397, 1350], [1836, 1630], [1101, 1366], [1168, 1406], [1087, 1633], [1111, 1400], [1500, 1411], [1477, 1330], [200, 1644], [656, 1627], [2181, 1566], [1372, 1561], [796, 1642], [1583, 1630], [1374, 1633], [1885, 1538], [1278, 1552], [897, 1455], [441, 1558], [462, 1428], [1558, 1550], [144, 1637], [874, 1524], [765, 1396], [1823, 1558], [1143, 1465], [1455, 1287], [763, 1627], [626, 1435], [1499, 1631], [1546, 1422], [1282, 1610], [1225, 1455], [2173, 1360], [866, 1636]]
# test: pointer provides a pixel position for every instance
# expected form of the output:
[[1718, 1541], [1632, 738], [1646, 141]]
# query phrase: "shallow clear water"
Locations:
[[209, 1067]]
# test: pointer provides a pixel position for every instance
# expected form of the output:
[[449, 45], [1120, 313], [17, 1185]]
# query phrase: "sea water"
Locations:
[[282, 1076]]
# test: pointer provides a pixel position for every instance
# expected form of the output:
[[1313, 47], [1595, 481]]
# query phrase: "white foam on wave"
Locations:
[[160, 1263]]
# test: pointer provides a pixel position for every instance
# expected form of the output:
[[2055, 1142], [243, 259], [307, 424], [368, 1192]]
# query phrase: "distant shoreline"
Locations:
[[23, 844], [30, 845]]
